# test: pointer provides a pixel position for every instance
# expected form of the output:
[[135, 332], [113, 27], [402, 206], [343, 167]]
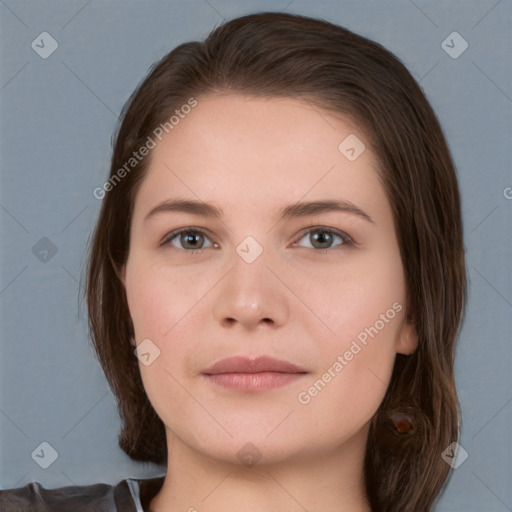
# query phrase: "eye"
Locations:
[[189, 239], [323, 238]]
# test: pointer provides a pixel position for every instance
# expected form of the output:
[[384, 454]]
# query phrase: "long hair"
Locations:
[[285, 55]]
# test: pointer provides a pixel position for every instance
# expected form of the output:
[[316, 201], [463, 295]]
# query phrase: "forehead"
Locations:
[[249, 151]]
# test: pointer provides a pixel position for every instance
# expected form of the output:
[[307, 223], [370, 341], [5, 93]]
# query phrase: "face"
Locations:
[[260, 323]]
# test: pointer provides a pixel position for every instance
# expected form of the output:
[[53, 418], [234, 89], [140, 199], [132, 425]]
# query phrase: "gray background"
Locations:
[[57, 117]]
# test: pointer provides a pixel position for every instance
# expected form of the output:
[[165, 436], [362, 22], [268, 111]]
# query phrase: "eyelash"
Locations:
[[346, 240]]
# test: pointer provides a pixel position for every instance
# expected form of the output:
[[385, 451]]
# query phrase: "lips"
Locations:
[[240, 364], [250, 375]]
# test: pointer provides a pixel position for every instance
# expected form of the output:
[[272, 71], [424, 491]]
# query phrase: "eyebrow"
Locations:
[[300, 209]]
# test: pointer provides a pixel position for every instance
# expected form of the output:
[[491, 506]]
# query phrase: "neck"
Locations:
[[331, 482]]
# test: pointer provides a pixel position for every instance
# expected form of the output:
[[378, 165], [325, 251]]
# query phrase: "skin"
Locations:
[[251, 158]]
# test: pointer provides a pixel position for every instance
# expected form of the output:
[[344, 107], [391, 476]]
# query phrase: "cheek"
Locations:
[[168, 307], [157, 300], [161, 310], [363, 309], [353, 368], [346, 301]]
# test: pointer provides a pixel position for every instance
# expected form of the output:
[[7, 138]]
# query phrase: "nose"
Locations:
[[250, 295]]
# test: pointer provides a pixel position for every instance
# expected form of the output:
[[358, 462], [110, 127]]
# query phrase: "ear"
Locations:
[[407, 340], [122, 275]]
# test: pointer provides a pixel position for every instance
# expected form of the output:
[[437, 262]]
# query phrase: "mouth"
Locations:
[[253, 374]]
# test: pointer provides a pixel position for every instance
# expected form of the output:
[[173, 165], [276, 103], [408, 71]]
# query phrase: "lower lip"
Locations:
[[253, 381]]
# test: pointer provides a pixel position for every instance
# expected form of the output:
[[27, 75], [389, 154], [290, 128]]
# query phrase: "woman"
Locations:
[[277, 279]]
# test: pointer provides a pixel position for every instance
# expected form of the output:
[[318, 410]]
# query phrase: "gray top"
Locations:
[[129, 495]]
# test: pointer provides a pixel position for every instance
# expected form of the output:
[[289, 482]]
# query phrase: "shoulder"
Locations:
[[122, 497]]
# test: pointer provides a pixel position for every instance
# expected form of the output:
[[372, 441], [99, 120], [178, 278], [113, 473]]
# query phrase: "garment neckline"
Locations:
[[145, 490]]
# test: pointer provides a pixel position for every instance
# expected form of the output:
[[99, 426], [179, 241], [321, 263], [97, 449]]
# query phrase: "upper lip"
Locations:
[[242, 364]]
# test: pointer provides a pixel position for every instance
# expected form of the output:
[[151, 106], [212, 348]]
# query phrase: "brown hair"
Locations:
[[273, 54]]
